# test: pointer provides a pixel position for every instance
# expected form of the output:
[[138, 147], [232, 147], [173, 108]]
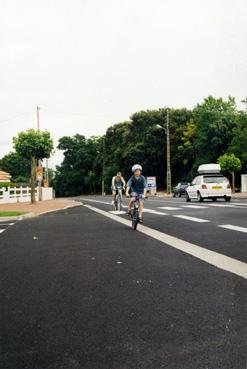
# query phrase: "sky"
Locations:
[[90, 64]]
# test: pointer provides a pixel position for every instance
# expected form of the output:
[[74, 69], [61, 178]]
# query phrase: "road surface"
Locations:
[[81, 290]]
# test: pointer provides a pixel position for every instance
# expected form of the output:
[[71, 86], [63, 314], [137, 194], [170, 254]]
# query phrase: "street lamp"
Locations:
[[168, 157], [103, 168]]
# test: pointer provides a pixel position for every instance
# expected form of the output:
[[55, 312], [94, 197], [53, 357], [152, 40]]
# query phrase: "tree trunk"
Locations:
[[233, 181], [33, 179]]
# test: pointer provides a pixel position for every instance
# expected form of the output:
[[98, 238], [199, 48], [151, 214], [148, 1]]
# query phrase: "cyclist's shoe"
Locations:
[[140, 220]]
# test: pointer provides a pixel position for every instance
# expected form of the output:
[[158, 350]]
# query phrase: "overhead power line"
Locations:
[[14, 117], [81, 114]]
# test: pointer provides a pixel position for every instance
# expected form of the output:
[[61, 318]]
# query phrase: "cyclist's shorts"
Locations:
[[135, 196], [116, 189]]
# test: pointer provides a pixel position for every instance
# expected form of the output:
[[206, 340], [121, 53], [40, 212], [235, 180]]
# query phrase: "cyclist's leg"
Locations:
[[140, 208], [120, 194], [113, 196]]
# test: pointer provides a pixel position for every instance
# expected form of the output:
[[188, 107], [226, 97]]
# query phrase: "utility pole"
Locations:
[[168, 173], [39, 164], [103, 168], [38, 108]]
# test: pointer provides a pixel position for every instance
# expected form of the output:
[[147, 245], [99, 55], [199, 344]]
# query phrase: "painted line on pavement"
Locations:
[[226, 206], [101, 202], [6, 224], [193, 219], [2, 230], [211, 257], [194, 206], [146, 210], [240, 203], [117, 212], [168, 208], [234, 228]]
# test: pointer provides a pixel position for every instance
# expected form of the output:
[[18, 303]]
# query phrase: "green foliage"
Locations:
[[7, 184], [229, 163], [80, 171], [197, 136], [33, 144], [215, 120], [14, 164], [238, 144]]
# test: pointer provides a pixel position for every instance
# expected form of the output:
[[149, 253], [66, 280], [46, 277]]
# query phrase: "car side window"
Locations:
[[194, 181], [198, 180]]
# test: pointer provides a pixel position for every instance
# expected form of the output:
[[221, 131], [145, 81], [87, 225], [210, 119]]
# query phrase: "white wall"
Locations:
[[243, 182]]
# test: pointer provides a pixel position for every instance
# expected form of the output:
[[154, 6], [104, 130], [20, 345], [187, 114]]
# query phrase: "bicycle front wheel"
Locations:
[[135, 219]]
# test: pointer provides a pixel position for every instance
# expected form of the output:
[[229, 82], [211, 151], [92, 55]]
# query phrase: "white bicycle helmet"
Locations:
[[135, 167]]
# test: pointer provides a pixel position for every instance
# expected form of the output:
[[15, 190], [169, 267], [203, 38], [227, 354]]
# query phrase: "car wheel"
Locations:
[[214, 199], [228, 198], [187, 197], [199, 197], [174, 195]]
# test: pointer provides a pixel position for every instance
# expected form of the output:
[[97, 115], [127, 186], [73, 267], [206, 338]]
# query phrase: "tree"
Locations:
[[238, 144], [215, 120], [17, 166], [81, 169], [229, 163], [33, 145]]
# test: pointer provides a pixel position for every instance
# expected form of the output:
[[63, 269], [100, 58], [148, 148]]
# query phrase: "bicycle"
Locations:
[[118, 199], [134, 213]]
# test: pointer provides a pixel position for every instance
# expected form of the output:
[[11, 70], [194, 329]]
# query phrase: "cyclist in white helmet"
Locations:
[[136, 187]]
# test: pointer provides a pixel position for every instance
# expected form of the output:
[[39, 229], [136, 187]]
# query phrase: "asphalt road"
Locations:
[[81, 290]]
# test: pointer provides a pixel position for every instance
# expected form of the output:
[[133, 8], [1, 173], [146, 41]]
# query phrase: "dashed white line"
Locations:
[[234, 228], [2, 230], [193, 219], [153, 212], [194, 206], [168, 208], [211, 257], [117, 212], [226, 206], [101, 202], [240, 203]]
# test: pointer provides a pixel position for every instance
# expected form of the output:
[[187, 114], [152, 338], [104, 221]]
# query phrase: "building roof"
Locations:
[[4, 175]]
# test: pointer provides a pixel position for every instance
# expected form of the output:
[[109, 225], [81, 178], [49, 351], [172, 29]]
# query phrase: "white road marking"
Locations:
[[225, 206], [211, 257], [153, 212], [101, 202], [6, 224], [117, 212], [234, 228], [194, 206], [240, 203], [168, 208], [2, 230], [104, 202], [193, 219]]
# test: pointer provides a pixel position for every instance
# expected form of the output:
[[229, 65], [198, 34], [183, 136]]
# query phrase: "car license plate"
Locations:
[[216, 187]]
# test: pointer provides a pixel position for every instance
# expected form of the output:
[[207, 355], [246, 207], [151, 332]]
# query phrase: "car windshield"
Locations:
[[215, 179]]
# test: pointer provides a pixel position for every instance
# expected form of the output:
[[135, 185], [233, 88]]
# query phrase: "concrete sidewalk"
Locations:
[[39, 207]]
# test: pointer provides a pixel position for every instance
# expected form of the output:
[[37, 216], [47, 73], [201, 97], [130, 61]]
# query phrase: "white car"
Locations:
[[209, 184]]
